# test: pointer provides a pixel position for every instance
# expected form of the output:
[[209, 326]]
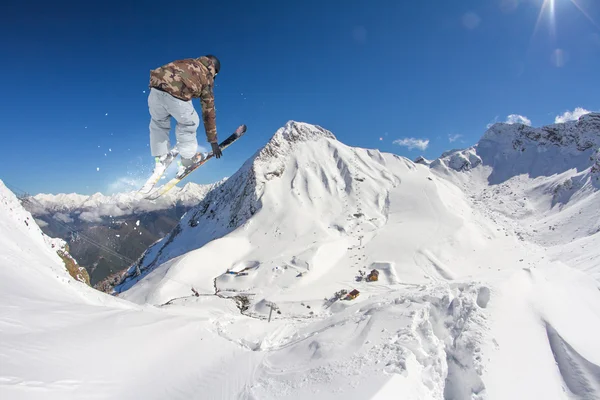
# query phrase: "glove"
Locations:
[[216, 150]]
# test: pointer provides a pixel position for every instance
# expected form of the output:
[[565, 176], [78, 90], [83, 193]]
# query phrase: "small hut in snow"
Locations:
[[373, 276], [352, 295]]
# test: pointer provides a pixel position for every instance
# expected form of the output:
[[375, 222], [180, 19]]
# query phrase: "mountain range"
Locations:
[[320, 270], [106, 234]]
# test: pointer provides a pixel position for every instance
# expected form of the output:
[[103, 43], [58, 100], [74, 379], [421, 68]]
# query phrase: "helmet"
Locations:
[[215, 62]]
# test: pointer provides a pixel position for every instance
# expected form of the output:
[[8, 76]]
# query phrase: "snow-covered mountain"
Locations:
[[93, 208], [107, 233], [307, 218], [465, 305], [61, 339], [541, 184], [516, 149], [23, 244]]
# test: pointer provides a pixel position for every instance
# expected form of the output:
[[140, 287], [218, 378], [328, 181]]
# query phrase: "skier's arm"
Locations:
[[207, 101]]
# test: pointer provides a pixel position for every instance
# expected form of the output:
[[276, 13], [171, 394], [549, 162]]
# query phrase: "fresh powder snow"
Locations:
[[487, 281]]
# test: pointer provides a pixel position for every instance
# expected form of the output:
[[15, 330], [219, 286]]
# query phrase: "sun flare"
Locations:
[[548, 10], [585, 13]]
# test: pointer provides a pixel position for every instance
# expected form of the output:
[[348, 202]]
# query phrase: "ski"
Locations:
[[157, 174], [204, 157]]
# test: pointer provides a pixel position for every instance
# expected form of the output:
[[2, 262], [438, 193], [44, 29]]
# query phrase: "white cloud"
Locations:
[[125, 184], [454, 138], [96, 213], [412, 143], [495, 120], [518, 119], [63, 218], [89, 216], [570, 115], [41, 223]]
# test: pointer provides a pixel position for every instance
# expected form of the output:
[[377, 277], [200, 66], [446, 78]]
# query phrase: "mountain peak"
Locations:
[[269, 161], [572, 136], [422, 160], [302, 164], [515, 149], [289, 134]]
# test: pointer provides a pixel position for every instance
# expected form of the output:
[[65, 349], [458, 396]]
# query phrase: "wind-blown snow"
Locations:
[[470, 302]]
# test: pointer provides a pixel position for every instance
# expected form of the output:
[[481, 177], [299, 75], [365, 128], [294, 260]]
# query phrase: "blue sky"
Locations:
[[381, 74]]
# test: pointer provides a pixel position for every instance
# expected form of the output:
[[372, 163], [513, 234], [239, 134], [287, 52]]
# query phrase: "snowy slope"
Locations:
[[29, 257], [307, 204], [464, 307], [538, 183], [61, 339]]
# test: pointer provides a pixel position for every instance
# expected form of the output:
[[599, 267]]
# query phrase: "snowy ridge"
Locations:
[[234, 202], [516, 149], [458, 160], [422, 160], [93, 208], [520, 149], [30, 265], [539, 183], [571, 136], [269, 161]]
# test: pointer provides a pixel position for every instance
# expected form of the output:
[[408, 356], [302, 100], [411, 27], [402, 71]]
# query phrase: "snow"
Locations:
[[95, 207], [73, 353], [540, 184], [474, 299]]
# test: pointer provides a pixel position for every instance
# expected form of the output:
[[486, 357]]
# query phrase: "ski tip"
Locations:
[[241, 129]]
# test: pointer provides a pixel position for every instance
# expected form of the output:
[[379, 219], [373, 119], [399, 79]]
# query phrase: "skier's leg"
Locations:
[[160, 123], [187, 123]]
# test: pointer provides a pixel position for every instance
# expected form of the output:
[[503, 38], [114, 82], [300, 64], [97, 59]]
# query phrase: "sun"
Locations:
[[548, 10]]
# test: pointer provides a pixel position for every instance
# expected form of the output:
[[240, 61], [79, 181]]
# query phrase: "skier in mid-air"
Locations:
[[172, 88]]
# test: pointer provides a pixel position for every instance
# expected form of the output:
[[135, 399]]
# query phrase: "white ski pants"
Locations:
[[162, 107]]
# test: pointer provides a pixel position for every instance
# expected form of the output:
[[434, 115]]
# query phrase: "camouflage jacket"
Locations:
[[187, 79]]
